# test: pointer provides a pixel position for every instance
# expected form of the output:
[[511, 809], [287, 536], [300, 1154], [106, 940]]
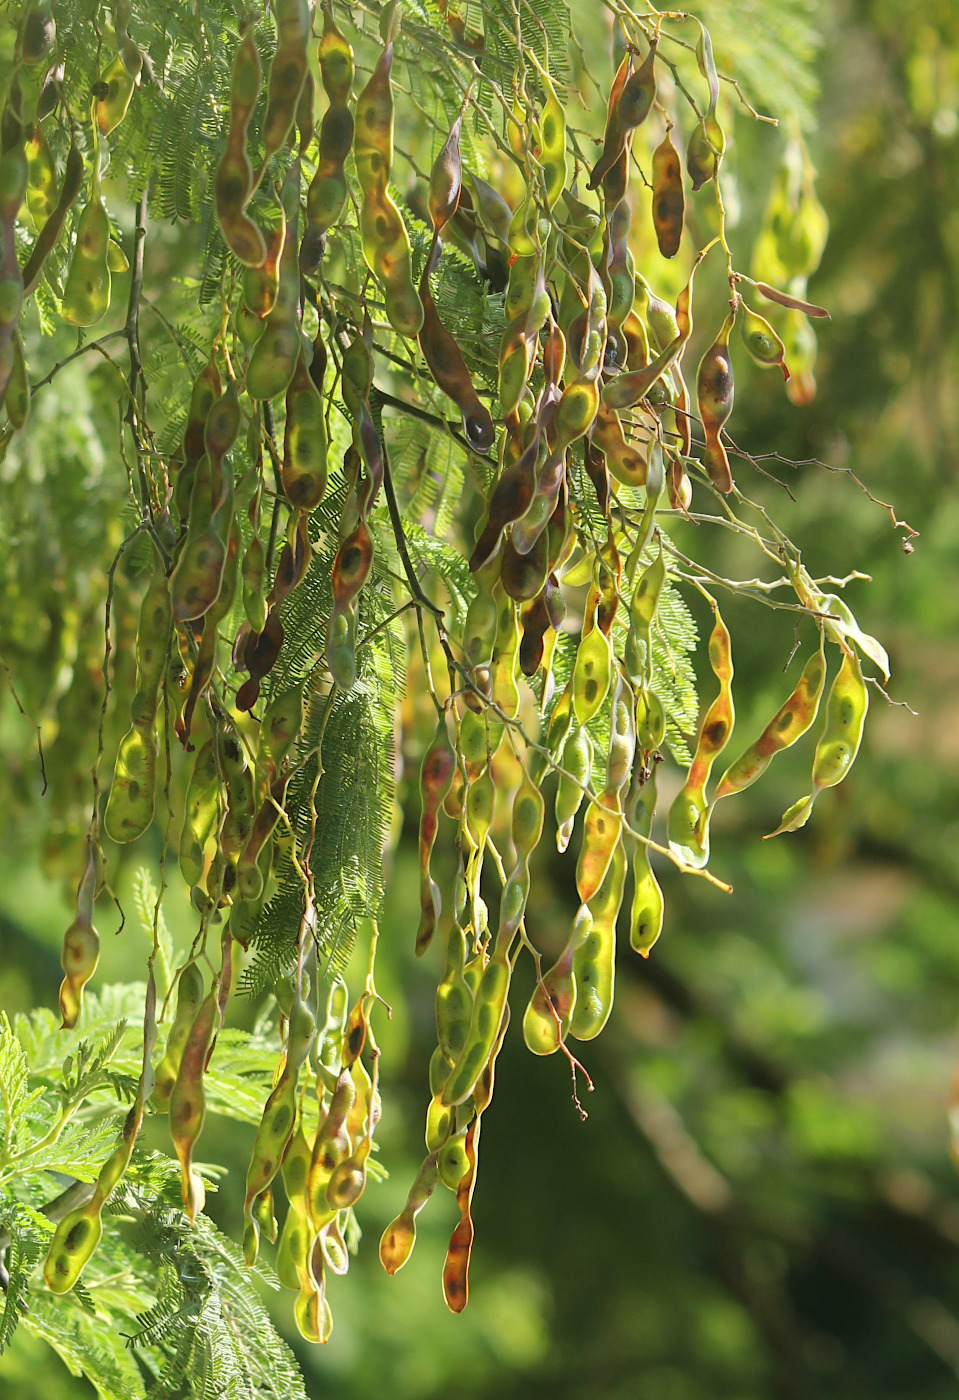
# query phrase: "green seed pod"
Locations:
[[86, 296], [304, 441], [81, 948], [787, 726], [129, 810], [436, 775], [594, 962], [578, 764], [201, 814], [287, 72], [274, 357], [112, 106], [452, 1161], [189, 997], [489, 1008], [41, 177], [17, 402], [592, 674], [233, 183], [52, 228], [646, 916], [839, 742], [761, 341], [386, 244]]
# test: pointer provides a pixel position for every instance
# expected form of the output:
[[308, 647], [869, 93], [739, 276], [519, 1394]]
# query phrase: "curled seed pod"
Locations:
[[386, 244], [551, 1006], [436, 775], [53, 227], [396, 1244], [669, 200], [189, 997], [788, 725], [188, 1099], [646, 915], [594, 960], [274, 357], [86, 295], [81, 947], [112, 106], [687, 825], [233, 182], [839, 742], [41, 177], [715, 390], [130, 806], [287, 73], [456, 1266], [447, 366], [761, 341]]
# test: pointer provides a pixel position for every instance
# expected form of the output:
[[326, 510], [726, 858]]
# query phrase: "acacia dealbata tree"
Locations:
[[409, 417]]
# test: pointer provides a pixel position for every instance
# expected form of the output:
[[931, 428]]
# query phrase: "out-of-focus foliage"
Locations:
[[760, 1204]]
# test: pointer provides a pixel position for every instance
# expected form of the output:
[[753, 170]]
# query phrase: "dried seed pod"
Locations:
[[687, 825], [436, 775], [188, 1099], [715, 390], [669, 200], [447, 366]]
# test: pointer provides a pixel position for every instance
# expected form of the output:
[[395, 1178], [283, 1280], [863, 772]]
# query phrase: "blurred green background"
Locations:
[[761, 1203]]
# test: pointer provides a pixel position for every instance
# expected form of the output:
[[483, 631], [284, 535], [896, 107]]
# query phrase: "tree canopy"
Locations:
[[392, 474]]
